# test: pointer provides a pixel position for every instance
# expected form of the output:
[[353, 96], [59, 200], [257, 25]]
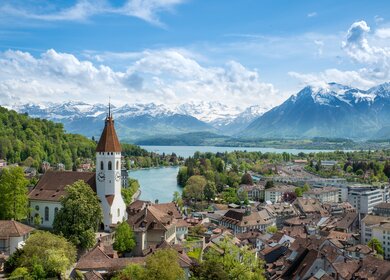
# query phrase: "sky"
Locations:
[[239, 53]]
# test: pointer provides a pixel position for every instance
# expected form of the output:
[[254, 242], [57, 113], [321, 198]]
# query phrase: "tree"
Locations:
[[124, 238], [47, 255], [163, 264], [194, 188], [21, 273], [376, 245], [298, 192], [13, 194], [289, 197], [246, 179], [210, 190], [269, 184], [131, 272], [272, 229], [127, 193], [80, 215], [209, 270], [182, 176], [238, 262]]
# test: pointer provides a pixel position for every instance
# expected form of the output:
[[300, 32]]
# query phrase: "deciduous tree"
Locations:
[[124, 238], [13, 194], [80, 215]]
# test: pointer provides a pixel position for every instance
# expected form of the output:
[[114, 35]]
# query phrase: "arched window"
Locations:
[[46, 213], [101, 165], [119, 212], [117, 165], [55, 211], [109, 165]]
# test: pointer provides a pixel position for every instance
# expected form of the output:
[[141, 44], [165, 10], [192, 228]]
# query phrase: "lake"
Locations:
[[187, 151], [157, 183], [160, 183]]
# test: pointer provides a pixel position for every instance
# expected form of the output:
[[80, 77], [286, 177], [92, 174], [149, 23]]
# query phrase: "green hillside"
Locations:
[[36, 140]]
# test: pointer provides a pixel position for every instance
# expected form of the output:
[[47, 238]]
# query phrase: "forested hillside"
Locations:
[[22, 137]]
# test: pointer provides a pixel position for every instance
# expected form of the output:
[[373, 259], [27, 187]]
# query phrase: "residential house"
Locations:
[[244, 220], [154, 223], [281, 212], [13, 235]]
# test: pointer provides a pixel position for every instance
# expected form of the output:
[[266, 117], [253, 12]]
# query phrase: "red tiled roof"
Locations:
[[109, 140], [13, 229], [110, 199], [51, 186]]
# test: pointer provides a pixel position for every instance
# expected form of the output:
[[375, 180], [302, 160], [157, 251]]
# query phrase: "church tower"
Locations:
[[108, 175]]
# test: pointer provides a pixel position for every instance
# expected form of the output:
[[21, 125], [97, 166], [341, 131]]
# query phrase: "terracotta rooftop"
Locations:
[[51, 186], [13, 229], [97, 259], [109, 140]]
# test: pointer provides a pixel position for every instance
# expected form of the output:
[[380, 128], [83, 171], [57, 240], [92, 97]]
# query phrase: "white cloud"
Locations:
[[383, 33], [84, 10], [163, 76], [312, 14], [371, 57]]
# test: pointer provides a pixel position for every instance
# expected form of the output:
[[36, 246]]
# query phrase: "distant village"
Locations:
[[326, 233]]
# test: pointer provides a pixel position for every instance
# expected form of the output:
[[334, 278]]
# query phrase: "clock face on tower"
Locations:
[[101, 177], [117, 176]]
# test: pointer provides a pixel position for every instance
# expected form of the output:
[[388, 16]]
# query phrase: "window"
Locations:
[[119, 212], [117, 165], [37, 207], [109, 165], [46, 213], [101, 165], [55, 211]]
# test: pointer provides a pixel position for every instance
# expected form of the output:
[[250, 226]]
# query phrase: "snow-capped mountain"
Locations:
[[333, 111], [143, 120], [208, 112]]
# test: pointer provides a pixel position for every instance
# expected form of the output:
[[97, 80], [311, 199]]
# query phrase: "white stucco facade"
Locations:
[[108, 187], [46, 210]]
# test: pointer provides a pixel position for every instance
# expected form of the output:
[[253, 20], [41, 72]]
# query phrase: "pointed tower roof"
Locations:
[[109, 140]]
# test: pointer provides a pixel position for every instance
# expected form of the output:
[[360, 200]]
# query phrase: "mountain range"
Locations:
[[143, 121], [332, 111]]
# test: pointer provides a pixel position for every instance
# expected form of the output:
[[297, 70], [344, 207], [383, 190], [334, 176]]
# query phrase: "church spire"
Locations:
[[109, 141]]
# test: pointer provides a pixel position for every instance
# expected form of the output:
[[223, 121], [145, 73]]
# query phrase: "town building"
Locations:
[[376, 227], [382, 209], [13, 235], [275, 194], [281, 212], [325, 194], [154, 223], [364, 198], [244, 220], [255, 192]]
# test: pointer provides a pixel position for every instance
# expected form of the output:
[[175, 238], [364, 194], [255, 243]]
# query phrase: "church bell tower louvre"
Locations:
[[108, 175]]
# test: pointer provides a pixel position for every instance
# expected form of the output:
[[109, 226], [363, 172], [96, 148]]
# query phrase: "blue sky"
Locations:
[[247, 52]]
